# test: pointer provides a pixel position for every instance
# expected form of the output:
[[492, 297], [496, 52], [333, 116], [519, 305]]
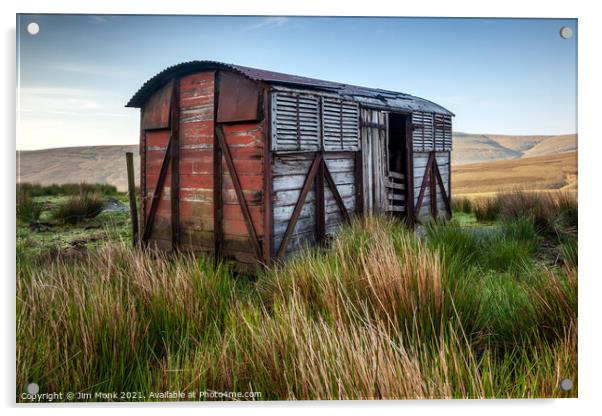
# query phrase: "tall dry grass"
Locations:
[[381, 314], [549, 210]]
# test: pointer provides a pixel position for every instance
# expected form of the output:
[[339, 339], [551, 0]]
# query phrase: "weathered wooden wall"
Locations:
[[197, 140], [196, 160], [374, 158], [211, 216], [259, 167], [420, 164], [245, 143], [195, 166], [289, 173]]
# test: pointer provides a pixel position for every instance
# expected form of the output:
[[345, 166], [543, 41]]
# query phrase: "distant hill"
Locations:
[[540, 173], [106, 164], [475, 148]]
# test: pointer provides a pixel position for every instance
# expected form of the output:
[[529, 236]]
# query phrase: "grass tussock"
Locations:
[[380, 314], [36, 189], [79, 207], [28, 209], [551, 212], [462, 204]]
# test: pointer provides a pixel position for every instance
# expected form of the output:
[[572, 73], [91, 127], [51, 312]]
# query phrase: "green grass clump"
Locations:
[[487, 210], [36, 189], [79, 207], [552, 213], [462, 204], [28, 209]]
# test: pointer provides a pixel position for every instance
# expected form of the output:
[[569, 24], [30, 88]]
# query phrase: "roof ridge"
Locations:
[[361, 94]]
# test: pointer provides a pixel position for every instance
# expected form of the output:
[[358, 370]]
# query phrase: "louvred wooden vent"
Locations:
[[295, 122], [341, 125], [305, 122], [431, 131]]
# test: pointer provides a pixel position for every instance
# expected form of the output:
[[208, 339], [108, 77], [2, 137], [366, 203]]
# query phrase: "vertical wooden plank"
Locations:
[[175, 165], [366, 166], [384, 160], [380, 160], [129, 160], [320, 205], [142, 151], [370, 160], [386, 155], [375, 140], [218, 199], [376, 160], [433, 185], [319, 185], [410, 214], [359, 183], [268, 212]]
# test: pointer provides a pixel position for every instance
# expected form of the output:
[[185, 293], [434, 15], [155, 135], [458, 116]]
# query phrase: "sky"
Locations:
[[498, 76]]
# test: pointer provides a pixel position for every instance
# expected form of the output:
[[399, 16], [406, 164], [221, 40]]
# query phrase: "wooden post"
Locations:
[[129, 158]]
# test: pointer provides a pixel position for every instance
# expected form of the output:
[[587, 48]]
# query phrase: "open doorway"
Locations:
[[397, 143], [397, 168]]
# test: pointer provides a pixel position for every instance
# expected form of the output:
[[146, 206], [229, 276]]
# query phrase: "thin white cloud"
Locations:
[[98, 18], [269, 22], [93, 70]]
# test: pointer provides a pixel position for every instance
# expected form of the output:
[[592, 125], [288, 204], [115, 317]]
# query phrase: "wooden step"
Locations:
[[394, 185], [396, 197], [396, 175]]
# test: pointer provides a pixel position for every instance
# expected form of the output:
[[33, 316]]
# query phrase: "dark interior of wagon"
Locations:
[[396, 179], [397, 143]]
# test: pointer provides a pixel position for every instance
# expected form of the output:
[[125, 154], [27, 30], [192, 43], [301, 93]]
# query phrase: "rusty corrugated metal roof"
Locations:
[[367, 96]]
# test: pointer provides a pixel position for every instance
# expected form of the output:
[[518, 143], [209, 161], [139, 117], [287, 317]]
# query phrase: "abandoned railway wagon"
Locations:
[[251, 165]]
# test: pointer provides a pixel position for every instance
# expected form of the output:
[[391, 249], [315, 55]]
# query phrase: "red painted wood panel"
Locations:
[[196, 90], [197, 132], [196, 161], [157, 141], [245, 144], [157, 138], [155, 114]]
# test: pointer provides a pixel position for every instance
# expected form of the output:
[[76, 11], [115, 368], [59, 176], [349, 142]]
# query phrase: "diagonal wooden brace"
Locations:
[[239, 193], [335, 192], [313, 170]]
